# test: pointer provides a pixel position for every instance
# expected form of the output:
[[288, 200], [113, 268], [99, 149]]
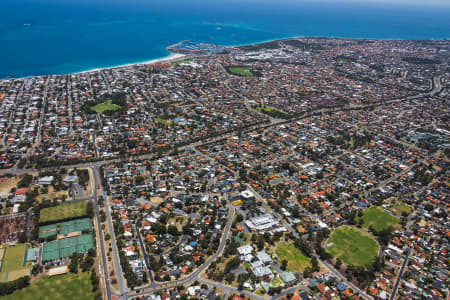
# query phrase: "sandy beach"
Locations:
[[171, 57]]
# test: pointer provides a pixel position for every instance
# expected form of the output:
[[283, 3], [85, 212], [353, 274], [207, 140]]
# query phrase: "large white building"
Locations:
[[262, 223]]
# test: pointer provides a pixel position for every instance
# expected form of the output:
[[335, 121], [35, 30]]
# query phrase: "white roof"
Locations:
[[244, 250], [247, 194], [263, 257], [58, 271]]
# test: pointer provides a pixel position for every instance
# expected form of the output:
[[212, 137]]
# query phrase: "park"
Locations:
[[106, 106], [296, 260], [352, 246], [377, 219], [70, 286]]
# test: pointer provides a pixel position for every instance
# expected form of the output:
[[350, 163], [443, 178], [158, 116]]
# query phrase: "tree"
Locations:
[[307, 273], [173, 230], [102, 217], [73, 266], [231, 264], [303, 246], [237, 219], [260, 242], [22, 237], [229, 277], [90, 209], [284, 264], [314, 264], [91, 252], [25, 181], [87, 263]]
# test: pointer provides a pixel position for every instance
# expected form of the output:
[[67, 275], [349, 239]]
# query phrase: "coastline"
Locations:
[[177, 56], [170, 57]]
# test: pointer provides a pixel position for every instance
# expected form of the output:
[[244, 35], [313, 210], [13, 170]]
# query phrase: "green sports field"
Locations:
[[63, 211], [379, 220], [179, 62], [297, 261], [164, 122], [401, 208], [13, 266], [352, 246], [70, 286], [108, 105], [242, 71], [272, 112]]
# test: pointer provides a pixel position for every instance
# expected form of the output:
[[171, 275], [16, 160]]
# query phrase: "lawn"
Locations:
[[352, 246], [164, 122], [399, 209], [70, 286], [13, 263], [184, 61], [8, 183], [14, 258], [265, 109], [379, 220], [241, 71], [297, 261], [52, 195], [275, 113], [63, 211], [108, 105]]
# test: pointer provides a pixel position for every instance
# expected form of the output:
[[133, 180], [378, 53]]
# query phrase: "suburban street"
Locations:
[[399, 277], [99, 191], [194, 276]]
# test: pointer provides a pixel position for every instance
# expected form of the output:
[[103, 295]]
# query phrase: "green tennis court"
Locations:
[[66, 247]]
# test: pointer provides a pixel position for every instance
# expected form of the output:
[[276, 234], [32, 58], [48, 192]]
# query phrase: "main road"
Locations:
[[436, 87], [124, 292], [118, 268], [102, 244]]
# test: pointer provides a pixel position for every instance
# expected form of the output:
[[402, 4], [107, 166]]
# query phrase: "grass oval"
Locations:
[[352, 246]]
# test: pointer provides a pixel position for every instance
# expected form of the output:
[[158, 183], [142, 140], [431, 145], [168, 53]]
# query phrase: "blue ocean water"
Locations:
[[65, 36]]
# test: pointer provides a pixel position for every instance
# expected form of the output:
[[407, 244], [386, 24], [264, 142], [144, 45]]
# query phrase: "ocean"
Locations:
[[39, 37]]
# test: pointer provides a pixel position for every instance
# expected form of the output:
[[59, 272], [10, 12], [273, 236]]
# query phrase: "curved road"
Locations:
[[194, 276]]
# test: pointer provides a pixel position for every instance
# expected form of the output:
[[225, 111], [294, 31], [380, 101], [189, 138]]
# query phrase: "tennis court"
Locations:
[[75, 226], [66, 247], [78, 225], [46, 231]]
